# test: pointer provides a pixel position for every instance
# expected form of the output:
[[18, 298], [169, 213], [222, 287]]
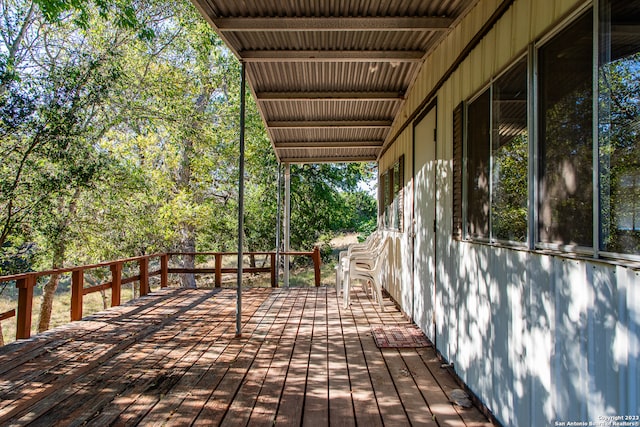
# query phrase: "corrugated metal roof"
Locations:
[[330, 76]]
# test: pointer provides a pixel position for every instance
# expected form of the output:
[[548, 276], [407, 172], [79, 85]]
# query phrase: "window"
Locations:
[[618, 127], [391, 196], [565, 114], [494, 166], [478, 166], [497, 159]]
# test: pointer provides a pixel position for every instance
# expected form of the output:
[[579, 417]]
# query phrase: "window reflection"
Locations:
[[478, 144], [565, 143], [619, 126], [510, 156]]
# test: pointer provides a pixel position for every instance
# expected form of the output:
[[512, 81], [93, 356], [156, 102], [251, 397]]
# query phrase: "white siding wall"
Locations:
[[401, 263], [538, 338]]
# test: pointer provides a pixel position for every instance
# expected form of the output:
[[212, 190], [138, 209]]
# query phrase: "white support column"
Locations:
[[287, 220]]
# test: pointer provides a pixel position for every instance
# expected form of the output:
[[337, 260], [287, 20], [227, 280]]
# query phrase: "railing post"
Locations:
[[274, 283], [164, 270], [77, 285], [25, 304], [218, 270], [316, 264], [144, 276], [116, 283]]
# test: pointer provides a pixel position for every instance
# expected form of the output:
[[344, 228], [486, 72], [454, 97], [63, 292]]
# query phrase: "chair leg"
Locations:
[[346, 289], [378, 293]]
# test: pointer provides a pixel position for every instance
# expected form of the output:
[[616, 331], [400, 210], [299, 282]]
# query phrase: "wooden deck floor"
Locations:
[[172, 359]]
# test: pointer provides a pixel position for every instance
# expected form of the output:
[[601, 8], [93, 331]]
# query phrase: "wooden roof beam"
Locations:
[[402, 23]]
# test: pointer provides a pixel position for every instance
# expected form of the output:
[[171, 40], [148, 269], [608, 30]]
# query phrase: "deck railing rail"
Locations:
[[26, 282]]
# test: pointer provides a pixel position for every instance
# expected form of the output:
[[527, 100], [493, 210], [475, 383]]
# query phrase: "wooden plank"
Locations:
[[316, 403], [187, 368], [58, 383], [68, 370], [143, 378], [222, 397], [364, 399], [7, 314], [341, 411], [216, 366], [240, 410], [471, 416], [389, 402], [292, 400], [264, 411], [96, 288], [412, 400], [26, 361], [438, 402]]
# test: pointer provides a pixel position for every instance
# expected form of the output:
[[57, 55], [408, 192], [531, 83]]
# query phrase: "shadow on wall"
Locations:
[[543, 339]]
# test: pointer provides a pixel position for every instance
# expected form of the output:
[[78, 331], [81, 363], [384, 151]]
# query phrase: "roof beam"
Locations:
[[329, 96], [331, 55], [402, 23], [356, 124], [328, 144], [337, 159]]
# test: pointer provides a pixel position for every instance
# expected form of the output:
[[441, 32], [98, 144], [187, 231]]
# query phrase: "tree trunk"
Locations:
[[184, 182], [48, 292], [103, 294], [1, 335], [188, 261], [59, 243]]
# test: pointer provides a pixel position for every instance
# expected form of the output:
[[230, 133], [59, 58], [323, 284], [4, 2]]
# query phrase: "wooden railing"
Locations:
[[26, 282]]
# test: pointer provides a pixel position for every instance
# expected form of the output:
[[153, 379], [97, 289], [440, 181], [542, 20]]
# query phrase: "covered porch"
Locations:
[[172, 358]]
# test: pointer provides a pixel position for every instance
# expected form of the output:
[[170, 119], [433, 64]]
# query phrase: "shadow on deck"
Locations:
[[172, 358]]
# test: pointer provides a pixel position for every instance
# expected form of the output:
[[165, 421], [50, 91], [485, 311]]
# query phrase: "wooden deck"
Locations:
[[172, 358]]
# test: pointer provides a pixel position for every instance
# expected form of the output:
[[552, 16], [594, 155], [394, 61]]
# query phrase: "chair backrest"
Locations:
[[368, 245]]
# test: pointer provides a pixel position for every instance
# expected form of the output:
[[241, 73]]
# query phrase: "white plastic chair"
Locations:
[[371, 267], [342, 266]]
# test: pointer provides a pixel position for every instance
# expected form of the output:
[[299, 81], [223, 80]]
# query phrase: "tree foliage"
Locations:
[[119, 136]]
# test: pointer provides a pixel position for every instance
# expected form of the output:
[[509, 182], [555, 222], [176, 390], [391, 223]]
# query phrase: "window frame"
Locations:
[[488, 87], [391, 203], [535, 119], [533, 242]]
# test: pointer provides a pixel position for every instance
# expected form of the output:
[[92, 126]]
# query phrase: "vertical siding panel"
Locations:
[[562, 7], [606, 356], [489, 55], [569, 360], [518, 301], [521, 25], [632, 282], [542, 15], [539, 343], [502, 398], [503, 45]]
